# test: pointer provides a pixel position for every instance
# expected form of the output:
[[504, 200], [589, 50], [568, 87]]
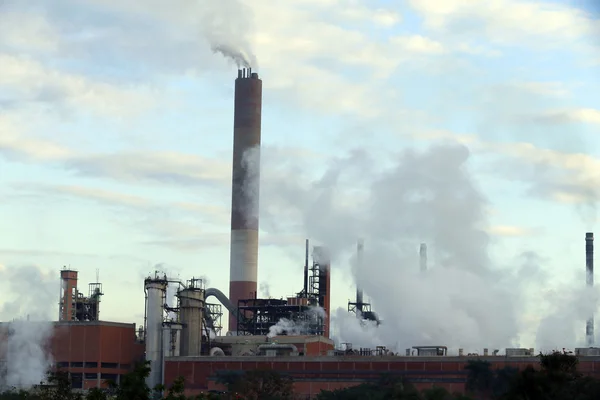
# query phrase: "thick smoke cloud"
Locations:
[[25, 353], [227, 25], [31, 296], [465, 300]]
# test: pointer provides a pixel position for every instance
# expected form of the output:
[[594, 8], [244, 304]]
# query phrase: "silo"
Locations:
[[191, 303], [156, 289]]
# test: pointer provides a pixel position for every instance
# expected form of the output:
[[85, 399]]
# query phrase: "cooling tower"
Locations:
[[589, 269], [245, 189]]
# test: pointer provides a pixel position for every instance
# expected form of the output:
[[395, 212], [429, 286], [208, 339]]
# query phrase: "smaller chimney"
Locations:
[[359, 266], [423, 257], [306, 270]]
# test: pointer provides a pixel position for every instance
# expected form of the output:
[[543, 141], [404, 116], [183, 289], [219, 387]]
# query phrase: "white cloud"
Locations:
[[509, 231], [29, 80], [508, 22]]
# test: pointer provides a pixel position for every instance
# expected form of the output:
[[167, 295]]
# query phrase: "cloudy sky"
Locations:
[[469, 125]]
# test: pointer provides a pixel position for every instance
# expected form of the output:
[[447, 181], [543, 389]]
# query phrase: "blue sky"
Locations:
[[116, 137]]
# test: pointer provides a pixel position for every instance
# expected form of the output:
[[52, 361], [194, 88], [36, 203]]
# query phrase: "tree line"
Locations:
[[556, 378]]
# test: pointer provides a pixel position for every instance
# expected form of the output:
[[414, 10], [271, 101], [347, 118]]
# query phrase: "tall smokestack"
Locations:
[[245, 189], [359, 266], [589, 269], [423, 257]]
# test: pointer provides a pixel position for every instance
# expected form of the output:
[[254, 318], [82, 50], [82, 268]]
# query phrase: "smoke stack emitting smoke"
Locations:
[[245, 189]]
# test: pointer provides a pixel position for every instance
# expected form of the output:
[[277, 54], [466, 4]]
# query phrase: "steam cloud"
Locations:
[[297, 327], [24, 356], [464, 300], [26, 359], [251, 185], [228, 29]]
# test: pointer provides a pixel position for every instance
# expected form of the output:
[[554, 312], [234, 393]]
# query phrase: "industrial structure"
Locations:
[[182, 335], [73, 305], [589, 272], [245, 188], [359, 306]]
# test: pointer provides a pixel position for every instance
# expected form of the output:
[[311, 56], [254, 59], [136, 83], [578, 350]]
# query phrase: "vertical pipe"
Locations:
[[359, 266], [589, 269], [423, 257], [306, 269], [245, 190]]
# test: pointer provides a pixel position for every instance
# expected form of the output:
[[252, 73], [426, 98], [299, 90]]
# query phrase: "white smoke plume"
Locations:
[[24, 342], [465, 300], [299, 326], [227, 25], [251, 186], [172, 300], [26, 355]]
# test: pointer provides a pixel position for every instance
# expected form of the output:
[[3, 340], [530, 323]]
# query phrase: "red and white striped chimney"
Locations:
[[245, 189]]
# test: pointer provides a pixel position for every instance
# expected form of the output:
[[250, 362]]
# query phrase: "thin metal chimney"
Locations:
[[359, 266], [589, 269], [423, 257], [306, 269]]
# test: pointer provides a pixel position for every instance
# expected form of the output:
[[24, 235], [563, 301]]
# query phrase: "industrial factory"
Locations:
[[182, 334]]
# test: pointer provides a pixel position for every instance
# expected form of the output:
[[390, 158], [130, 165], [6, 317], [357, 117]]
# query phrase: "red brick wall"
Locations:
[[312, 376]]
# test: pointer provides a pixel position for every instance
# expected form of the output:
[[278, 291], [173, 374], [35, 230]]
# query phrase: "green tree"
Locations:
[[96, 394], [133, 384], [259, 385]]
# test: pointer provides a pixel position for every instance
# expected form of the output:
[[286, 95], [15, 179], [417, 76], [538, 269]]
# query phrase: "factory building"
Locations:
[[92, 351], [182, 334]]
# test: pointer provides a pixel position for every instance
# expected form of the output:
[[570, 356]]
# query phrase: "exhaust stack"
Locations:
[[359, 263], [245, 189], [589, 269], [423, 257]]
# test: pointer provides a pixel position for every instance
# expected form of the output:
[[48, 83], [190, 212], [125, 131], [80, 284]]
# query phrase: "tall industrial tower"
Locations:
[[245, 189], [589, 270]]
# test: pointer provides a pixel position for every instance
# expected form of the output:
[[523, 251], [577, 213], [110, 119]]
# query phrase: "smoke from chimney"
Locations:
[[227, 25]]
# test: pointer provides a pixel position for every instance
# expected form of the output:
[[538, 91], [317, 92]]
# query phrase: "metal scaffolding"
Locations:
[[260, 315]]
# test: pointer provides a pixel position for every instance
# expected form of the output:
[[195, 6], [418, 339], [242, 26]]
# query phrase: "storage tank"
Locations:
[[156, 289], [191, 303]]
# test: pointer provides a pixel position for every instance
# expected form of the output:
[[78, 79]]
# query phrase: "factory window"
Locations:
[[125, 366], [109, 377], [91, 375], [76, 364], [109, 365], [62, 364], [91, 364], [77, 381]]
